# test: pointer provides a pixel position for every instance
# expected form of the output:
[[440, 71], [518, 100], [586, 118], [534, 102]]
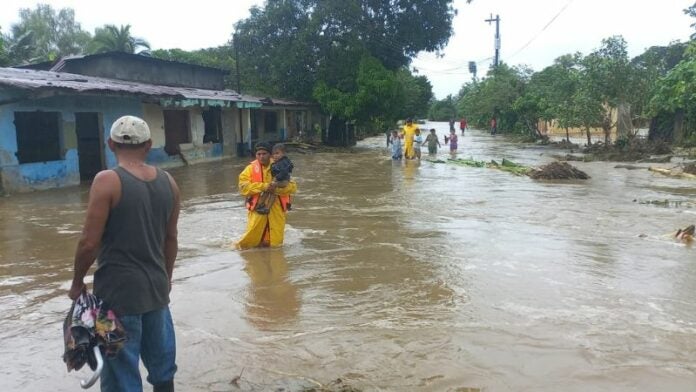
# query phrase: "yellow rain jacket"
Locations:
[[409, 132], [262, 230]]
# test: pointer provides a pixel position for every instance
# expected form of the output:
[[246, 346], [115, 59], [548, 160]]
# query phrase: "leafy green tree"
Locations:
[[276, 48], [417, 94], [443, 110], [374, 100], [551, 93], [391, 31], [4, 58], [691, 11], [608, 79], [468, 106], [495, 95], [44, 34], [649, 67], [311, 49], [590, 112], [111, 38], [675, 93]]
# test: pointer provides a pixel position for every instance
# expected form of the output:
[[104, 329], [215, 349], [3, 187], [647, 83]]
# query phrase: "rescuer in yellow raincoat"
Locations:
[[409, 132], [263, 229]]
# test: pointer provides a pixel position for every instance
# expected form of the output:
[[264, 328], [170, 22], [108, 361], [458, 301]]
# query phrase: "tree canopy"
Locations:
[[44, 34], [585, 92], [310, 49], [4, 58], [350, 56], [443, 110], [112, 38]]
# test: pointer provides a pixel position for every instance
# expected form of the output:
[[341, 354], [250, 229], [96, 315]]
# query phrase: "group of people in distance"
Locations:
[[408, 143]]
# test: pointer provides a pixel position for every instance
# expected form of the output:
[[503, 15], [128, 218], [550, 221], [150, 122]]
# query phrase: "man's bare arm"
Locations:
[[101, 199], [171, 240]]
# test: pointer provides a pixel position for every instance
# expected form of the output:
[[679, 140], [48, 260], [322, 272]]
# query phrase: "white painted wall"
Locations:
[[154, 117], [197, 126], [230, 130]]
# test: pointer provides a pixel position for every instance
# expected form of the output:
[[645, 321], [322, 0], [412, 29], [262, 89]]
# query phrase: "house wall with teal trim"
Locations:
[[65, 171]]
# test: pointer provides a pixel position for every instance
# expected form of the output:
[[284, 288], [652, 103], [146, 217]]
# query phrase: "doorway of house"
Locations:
[[270, 123], [212, 120], [89, 145], [177, 130]]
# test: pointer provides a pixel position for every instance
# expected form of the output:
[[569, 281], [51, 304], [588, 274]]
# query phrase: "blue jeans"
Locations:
[[150, 335]]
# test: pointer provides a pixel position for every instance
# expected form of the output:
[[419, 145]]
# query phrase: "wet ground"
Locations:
[[395, 276]]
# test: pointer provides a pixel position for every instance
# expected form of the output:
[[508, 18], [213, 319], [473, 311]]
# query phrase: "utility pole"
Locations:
[[235, 42], [497, 37], [240, 144]]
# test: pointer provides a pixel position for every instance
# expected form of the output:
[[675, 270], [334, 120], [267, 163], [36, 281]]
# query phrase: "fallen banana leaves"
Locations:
[[552, 171]]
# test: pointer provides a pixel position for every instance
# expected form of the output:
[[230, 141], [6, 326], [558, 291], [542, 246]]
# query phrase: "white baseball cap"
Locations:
[[130, 130]]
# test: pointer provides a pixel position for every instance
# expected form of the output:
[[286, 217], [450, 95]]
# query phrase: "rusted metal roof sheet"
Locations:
[[60, 64], [27, 79], [282, 102]]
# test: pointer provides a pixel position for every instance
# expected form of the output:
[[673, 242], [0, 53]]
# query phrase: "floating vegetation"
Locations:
[[511, 167], [467, 162], [552, 171]]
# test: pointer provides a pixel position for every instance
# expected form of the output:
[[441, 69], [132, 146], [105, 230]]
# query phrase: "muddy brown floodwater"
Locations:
[[395, 276]]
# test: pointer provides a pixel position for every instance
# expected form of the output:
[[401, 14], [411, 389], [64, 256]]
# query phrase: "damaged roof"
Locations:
[[58, 65], [36, 80], [282, 102]]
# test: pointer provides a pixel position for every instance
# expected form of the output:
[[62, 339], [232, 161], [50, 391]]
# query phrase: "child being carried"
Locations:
[[281, 169]]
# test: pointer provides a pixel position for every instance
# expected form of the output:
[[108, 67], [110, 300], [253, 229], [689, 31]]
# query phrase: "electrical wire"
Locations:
[[541, 31]]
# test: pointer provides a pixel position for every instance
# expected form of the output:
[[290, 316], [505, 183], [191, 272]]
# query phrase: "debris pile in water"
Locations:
[[552, 171], [558, 171], [633, 149], [680, 172]]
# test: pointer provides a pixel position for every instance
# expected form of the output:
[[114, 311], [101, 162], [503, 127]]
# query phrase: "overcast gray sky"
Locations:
[[533, 32]]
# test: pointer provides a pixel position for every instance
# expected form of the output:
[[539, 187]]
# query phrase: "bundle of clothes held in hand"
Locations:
[[90, 324]]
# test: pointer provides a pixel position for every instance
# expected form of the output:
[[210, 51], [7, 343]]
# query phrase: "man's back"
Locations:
[[131, 274]]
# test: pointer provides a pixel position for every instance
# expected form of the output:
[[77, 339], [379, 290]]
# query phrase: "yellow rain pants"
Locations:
[[409, 132], [263, 230]]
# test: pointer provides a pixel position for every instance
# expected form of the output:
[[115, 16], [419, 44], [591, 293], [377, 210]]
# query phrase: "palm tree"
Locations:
[[21, 49], [117, 39]]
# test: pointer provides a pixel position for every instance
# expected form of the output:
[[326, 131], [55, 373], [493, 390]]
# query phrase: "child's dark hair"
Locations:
[[432, 129], [279, 147]]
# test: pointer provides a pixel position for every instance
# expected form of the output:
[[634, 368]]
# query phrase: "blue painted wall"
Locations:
[[42, 175], [65, 172]]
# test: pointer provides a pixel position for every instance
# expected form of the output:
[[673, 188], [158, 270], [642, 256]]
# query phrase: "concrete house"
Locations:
[[55, 118]]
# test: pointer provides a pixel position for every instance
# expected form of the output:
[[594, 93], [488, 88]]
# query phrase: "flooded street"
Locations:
[[395, 276]]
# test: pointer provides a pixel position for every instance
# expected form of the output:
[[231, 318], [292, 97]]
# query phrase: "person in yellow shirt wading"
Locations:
[[409, 132], [264, 229]]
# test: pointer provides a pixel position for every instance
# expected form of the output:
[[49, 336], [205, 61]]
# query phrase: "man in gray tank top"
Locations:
[[131, 229]]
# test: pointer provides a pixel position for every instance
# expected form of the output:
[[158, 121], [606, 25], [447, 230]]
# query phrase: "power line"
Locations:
[[542, 30], [452, 71]]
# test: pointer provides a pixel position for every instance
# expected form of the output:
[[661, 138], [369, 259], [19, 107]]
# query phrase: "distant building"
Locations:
[[55, 117]]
